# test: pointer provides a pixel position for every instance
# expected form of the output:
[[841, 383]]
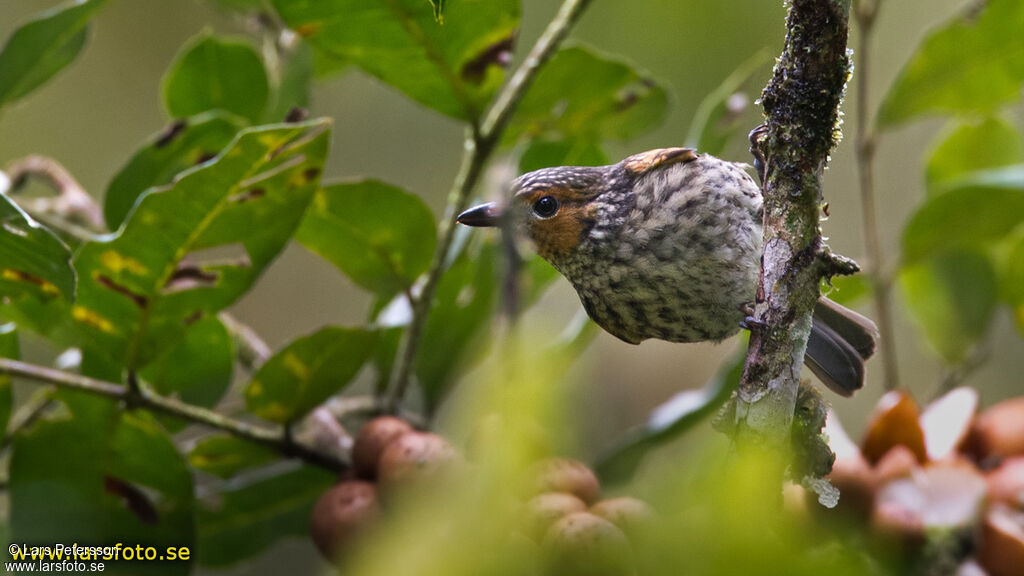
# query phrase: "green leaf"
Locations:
[[671, 420], [242, 522], [847, 290], [1013, 281], [194, 247], [974, 63], [717, 118], [43, 46], [463, 305], [382, 237], [979, 208], [292, 87], [183, 144], [548, 153], [102, 477], [225, 456], [216, 74], [198, 369], [582, 94], [967, 147], [952, 297], [8, 349], [308, 371], [33, 261], [454, 69]]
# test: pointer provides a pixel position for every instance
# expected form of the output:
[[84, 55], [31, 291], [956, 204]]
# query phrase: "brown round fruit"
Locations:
[[582, 543], [341, 515], [998, 432], [371, 440], [414, 457], [894, 422], [629, 514], [545, 509], [565, 475]]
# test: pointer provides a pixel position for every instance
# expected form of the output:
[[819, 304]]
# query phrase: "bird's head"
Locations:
[[557, 207]]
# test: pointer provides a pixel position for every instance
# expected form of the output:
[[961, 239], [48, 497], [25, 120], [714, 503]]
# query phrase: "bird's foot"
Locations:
[[752, 324], [747, 308], [756, 136]]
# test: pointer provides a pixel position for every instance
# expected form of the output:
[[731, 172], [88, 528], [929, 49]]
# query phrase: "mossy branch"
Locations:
[[801, 105]]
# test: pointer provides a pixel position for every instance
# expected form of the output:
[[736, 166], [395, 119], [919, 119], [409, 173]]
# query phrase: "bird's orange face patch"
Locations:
[[560, 234]]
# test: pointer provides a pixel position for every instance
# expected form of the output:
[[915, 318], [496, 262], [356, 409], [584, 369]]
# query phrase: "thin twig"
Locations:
[[251, 350], [866, 12], [72, 202], [275, 438], [477, 149], [27, 413]]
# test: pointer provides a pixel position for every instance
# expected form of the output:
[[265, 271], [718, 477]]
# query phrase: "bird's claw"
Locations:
[[747, 308], [752, 324], [755, 136]]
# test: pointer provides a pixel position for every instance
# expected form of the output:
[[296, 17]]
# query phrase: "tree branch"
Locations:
[[866, 11], [801, 104], [477, 149], [275, 438], [72, 202]]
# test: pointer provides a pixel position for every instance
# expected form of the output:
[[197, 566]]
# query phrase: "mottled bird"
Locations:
[[667, 244]]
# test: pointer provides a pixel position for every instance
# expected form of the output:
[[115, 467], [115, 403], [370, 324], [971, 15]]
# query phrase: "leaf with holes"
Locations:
[[226, 456], [107, 476], [454, 69], [238, 523], [952, 297], [192, 248], [183, 144], [42, 47], [587, 95], [974, 63], [971, 146], [216, 74], [463, 305], [34, 263], [307, 372], [979, 208], [382, 237]]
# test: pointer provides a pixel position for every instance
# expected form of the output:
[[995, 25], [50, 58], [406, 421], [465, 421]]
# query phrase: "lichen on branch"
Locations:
[[801, 104]]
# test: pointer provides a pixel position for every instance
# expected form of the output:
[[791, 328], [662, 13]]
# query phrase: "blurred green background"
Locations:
[[92, 118]]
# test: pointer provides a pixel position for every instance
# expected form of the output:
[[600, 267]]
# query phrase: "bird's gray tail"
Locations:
[[841, 340]]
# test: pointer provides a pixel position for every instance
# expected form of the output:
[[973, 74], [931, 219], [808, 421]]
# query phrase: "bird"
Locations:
[[666, 244]]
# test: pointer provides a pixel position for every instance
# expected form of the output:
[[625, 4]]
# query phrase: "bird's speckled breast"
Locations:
[[676, 257]]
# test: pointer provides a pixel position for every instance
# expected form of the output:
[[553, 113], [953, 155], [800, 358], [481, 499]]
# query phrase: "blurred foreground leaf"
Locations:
[[670, 420], [307, 372], [43, 46], [952, 296], [980, 208], [9, 348], [143, 287], [968, 147], [216, 74], [225, 456], [974, 63], [454, 69], [582, 94], [380, 236], [183, 144], [240, 522]]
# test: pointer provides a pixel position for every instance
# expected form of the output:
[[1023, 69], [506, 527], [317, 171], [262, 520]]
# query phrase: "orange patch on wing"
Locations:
[[644, 161]]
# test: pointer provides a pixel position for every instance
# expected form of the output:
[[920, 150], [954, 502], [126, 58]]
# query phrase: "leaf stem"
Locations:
[[866, 11], [142, 397], [478, 146]]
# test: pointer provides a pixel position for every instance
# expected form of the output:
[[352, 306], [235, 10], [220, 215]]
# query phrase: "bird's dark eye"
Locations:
[[545, 207]]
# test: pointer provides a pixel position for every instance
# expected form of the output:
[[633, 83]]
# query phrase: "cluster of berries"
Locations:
[[563, 524], [943, 477]]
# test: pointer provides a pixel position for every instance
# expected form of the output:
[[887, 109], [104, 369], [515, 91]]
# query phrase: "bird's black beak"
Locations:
[[485, 215]]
